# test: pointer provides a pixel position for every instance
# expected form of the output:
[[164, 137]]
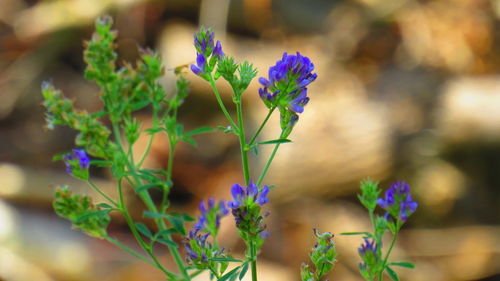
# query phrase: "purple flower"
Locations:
[[201, 65], [368, 247], [204, 41], [77, 163], [370, 255], [249, 195], [206, 52], [247, 209], [218, 50], [210, 217], [398, 201], [287, 81], [82, 157]]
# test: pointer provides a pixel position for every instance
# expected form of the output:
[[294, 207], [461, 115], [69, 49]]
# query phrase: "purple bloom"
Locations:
[[249, 195], [368, 247], [398, 201], [77, 163], [287, 81], [204, 41], [82, 157], [218, 50], [201, 65], [210, 217], [370, 255], [206, 52], [247, 209]]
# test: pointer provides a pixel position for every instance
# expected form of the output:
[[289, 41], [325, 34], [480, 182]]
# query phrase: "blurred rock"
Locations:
[[469, 110]]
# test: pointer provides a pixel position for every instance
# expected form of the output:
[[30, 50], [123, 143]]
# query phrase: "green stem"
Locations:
[[253, 261], [243, 145], [170, 164], [137, 235], [146, 198], [221, 103], [268, 164], [261, 126], [384, 263], [128, 249], [150, 141], [98, 190], [146, 152]]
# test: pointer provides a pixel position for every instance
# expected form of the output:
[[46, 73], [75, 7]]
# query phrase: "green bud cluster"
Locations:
[[81, 212], [323, 256]]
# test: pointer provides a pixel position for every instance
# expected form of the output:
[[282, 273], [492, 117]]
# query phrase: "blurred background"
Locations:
[[406, 89]]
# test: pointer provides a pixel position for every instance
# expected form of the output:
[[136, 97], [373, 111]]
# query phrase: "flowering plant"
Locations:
[[127, 89]]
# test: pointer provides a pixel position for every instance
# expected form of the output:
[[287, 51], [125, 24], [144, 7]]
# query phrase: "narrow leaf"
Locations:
[[154, 215], [143, 229], [225, 259], [275, 141], [229, 274], [178, 224], [392, 273], [166, 242], [105, 206], [200, 130], [145, 187], [244, 270], [403, 264], [357, 233]]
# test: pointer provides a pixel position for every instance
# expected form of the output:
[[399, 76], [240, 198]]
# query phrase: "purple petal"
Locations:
[[195, 69], [264, 82], [236, 191]]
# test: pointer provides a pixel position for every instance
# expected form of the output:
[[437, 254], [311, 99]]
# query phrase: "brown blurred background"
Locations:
[[406, 89]]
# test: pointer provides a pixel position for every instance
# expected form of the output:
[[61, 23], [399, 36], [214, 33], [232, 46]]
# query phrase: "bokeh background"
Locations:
[[406, 89]]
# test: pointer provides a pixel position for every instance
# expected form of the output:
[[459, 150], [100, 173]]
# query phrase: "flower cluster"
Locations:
[[207, 53], [398, 201], [246, 209], [199, 251], [210, 217], [77, 163], [370, 254], [286, 87], [323, 256]]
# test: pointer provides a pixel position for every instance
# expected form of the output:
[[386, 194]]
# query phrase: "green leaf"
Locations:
[[392, 273], [105, 206], [189, 140], [166, 242], [357, 233], [139, 105], [143, 229], [154, 215], [403, 264], [153, 131], [178, 224], [275, 141], [229, 259], [145, 187], [244, 270], [200, 130], [166, 232], [229, 274], [90, 214], [234, 277], [184, 217], [100, 163]]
